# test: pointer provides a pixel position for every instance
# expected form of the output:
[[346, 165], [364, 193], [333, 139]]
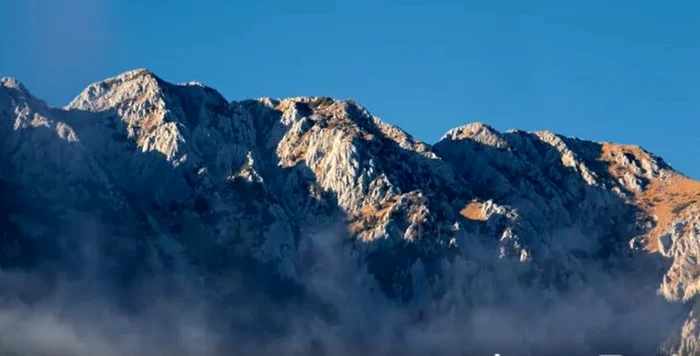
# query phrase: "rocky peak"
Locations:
[[123, 89], [361, 160], [38, 147], [13, 92], [12, 83], [478, 132]]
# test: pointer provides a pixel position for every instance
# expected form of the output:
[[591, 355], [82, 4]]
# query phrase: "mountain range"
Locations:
[[309, 225]]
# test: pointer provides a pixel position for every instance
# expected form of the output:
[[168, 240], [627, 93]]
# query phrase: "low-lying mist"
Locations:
[[471, 307]]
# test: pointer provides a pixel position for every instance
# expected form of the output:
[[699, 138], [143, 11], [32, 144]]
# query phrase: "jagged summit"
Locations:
[[477, 131], [15, 88], [468, 128], [118, 89], [10, 82], [13, 92], [132, 74], [218, 186]]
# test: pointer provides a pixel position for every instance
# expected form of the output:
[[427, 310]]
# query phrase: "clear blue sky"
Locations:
[[625, 71]]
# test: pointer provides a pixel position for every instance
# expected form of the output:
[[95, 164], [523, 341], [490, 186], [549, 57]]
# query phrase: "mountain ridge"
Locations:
[[221, 186], [130, 74]]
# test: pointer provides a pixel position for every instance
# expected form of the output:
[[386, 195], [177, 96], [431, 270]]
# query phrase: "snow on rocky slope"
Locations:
[[218, 186]]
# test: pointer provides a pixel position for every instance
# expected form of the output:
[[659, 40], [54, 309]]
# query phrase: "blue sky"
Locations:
[[624, 71]]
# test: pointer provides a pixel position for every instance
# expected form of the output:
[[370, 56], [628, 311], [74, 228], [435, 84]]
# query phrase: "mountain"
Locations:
[[312, 209]]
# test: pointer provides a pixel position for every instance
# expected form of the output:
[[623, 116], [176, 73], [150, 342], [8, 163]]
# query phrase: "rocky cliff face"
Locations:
[[176, 177]]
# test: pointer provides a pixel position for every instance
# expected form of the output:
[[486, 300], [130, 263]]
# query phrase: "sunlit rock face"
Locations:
[[175, 177]]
